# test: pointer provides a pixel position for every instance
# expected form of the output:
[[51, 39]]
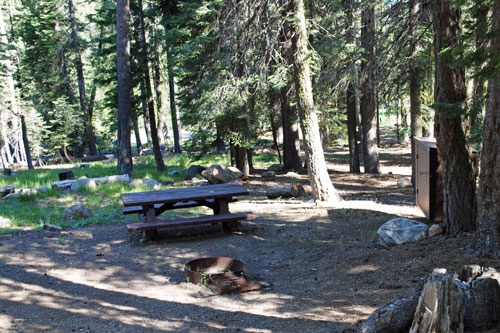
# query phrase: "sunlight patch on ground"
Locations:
[[409, 211], [362, 269]]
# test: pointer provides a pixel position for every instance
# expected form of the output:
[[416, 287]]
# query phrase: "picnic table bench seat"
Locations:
[[222, 218]]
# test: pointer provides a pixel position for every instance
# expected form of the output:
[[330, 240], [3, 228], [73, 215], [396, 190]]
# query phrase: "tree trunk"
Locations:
[[369, 122], [241, 159], [144, 109], [487, 240], [275, 128], [480, 15], [138, 143], [321, 183], [351, 129], [124, 105], [176, 125], [13, 100], [459, 206], [160, 166], [89, 130], [162, 126], [26, 143], [291, 142], [414, 83]]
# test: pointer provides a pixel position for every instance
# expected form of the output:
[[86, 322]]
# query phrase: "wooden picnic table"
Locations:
[[149, 205]]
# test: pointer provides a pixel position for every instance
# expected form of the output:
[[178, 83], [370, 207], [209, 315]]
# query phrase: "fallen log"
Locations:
[[61, 160], [66, 184], [295, 191], [4, 190]]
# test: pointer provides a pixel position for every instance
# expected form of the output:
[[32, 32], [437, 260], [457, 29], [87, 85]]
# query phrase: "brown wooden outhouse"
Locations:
[[428, 179]]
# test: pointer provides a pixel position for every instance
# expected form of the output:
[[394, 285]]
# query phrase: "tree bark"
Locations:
[[414, 83], [26, 143], [138, 143], [291, 142], [160, 166], [459, 206], [123, 68], [162, 126], [487, 239], [176, 124], [241, 158], [89, 130], [368, 120], [144, 110], [351, 94], [351, 129], [480, 15], [321, 183]]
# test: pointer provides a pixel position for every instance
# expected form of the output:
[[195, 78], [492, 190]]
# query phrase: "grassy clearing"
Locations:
[[105, 201]]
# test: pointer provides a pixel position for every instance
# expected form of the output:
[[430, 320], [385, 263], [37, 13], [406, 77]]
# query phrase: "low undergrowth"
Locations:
[[33, 211]]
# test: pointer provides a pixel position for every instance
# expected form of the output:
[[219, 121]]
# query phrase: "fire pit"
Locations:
[[224, 274]]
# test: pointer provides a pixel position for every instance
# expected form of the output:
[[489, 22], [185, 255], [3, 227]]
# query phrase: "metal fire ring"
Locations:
[[211, 269]]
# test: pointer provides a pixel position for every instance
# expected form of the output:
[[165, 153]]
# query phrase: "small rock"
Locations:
[[435, 230], [51, 227], [136, 183], [292, 174], [269, 174], [43, 189], [5, 222], [76, 211], [83, 165], [83, 184], [194, 170], [203, 183], [404, 183], [152, 184], [174, 173], [276, 168]]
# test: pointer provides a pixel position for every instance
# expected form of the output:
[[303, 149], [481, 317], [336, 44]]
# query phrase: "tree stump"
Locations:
[[470, 303], [295, 191], [67, 174]]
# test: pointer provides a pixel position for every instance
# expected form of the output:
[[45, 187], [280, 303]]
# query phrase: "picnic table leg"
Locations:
[[222, 207], [149, 211]]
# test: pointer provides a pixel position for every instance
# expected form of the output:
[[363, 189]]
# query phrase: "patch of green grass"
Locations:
[[104, 201]]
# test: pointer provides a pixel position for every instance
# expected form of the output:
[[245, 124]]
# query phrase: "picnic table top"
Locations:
[[183, 194]]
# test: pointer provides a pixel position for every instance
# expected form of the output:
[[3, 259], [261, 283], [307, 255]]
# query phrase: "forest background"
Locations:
[[78, 76]]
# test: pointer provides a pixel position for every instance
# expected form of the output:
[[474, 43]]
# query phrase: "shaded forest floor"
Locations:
[[326, 271]]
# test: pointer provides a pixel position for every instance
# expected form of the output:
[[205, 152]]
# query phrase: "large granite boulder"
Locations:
[[401, 230], [83, 185], [76, 212], [5, 222], [219, 174]]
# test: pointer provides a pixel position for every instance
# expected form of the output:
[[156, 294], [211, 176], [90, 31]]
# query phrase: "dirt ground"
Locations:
[[326, 271]]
